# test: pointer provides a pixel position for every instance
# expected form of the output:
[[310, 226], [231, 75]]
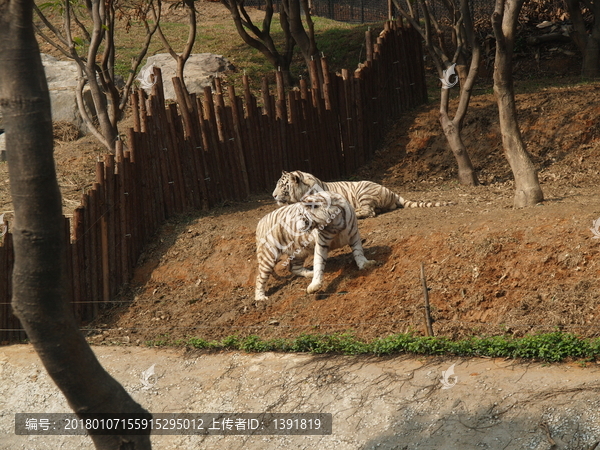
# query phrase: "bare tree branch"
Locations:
[[50, 26], [50, 41], [463, 37], [96, 58], [135, 64], [262, 40]]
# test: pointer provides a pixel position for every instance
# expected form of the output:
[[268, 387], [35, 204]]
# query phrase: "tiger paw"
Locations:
[[303, 273], [313, 287], [367, 263], [260, 297], [364, 213]]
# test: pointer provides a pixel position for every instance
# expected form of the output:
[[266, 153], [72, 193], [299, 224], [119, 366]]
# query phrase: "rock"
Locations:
[[200, 71], [544, 24], [62, 77]]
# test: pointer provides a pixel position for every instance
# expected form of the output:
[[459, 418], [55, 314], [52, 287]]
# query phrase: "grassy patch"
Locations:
[[550, 347], [342, 43]]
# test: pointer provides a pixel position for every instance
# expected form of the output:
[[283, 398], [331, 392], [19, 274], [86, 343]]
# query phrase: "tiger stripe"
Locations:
[[366, 197], [318, 223]]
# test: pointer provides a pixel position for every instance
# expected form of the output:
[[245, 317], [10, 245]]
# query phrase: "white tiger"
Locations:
[[325, 219], [366, 197]]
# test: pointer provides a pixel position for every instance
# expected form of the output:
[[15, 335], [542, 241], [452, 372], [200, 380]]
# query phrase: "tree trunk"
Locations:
[[40, 294], [108, 130], [527, 186], [182, 58], [465, 58], [263, 41], [589, 44], [466, 172], [288, 51], [453, 127], [305, 41], [591, 56]]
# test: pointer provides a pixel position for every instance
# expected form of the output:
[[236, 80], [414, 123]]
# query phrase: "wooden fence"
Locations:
[[202, 151]]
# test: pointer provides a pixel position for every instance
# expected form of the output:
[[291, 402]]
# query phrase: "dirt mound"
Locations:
[[491, 269]]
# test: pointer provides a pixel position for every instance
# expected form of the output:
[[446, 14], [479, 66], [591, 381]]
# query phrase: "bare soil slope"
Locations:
[[491, 269]]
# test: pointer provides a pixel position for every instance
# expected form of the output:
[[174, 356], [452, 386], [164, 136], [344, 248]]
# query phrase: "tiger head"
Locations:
[[321, 208], [292, 186]]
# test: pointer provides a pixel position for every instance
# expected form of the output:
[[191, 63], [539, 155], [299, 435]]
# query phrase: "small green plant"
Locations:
[[231, 342], [548, 347], [197, 343], [162, 340]]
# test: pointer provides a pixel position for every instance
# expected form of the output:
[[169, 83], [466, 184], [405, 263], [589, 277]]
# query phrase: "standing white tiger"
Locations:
[[320, 221], [365, 196]]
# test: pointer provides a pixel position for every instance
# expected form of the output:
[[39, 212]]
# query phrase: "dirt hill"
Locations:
[[491, 269]]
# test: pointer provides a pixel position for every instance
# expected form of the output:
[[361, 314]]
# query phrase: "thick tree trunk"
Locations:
[[305, 41], [527, 186], [466, 172], [453, 127], [108, 130], [288, 51], [589, 44], [40, 295], [591, 56]]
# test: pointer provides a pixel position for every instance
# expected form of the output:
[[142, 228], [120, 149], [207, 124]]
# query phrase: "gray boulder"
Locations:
[[200, 71], [62, 77]]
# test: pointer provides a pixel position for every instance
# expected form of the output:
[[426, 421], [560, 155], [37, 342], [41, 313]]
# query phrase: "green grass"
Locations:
[[342, 43], [549, 347]]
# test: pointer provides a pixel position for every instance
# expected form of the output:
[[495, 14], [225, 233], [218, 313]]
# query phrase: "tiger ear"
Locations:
[[309, 181], [283, 172], [296, 177]]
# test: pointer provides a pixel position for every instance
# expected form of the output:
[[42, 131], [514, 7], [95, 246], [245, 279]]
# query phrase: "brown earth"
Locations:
[[491, 269]]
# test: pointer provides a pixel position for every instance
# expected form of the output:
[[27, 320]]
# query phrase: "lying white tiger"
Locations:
[[324, 218], [366, 197]]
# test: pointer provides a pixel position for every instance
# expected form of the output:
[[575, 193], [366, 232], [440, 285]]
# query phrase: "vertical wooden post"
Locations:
[[141, 103], [109, 194], [428, 326], [237, 115], [136, 111], [218, 183], [315, 88], [102, 212], [5, 293], [79, 292], [70, 262], [124, 240], [255, 162], [205, 149], [369, 44], [282, 118], [267, 98]]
